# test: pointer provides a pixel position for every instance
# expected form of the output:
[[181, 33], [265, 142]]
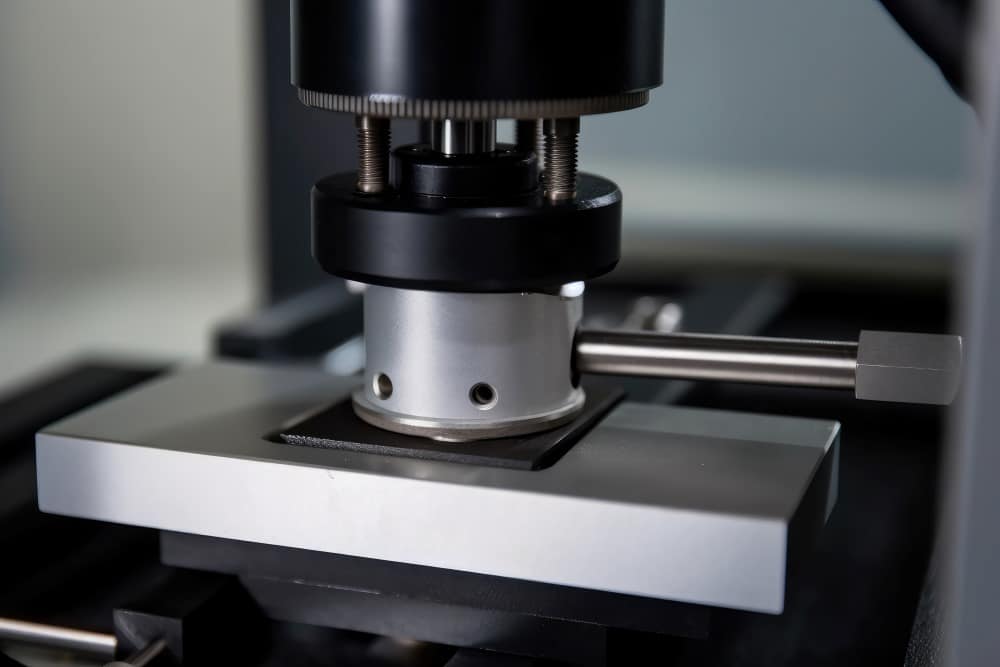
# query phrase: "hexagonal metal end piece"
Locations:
[[908, 367]]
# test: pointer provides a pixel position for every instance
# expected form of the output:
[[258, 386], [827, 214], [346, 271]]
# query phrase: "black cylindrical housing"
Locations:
[[477, 49], [505, 244]]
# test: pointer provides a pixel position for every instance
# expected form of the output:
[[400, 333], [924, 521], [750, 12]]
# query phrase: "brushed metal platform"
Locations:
[[684, 504]]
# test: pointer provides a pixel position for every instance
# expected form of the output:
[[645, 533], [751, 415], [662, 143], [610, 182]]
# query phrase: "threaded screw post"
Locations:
[[559, 177], [374, 141]]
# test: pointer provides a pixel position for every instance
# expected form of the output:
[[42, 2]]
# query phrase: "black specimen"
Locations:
[[338, 427]]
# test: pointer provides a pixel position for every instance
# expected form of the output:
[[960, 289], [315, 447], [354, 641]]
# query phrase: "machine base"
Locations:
[[690, 505], [433, 605]]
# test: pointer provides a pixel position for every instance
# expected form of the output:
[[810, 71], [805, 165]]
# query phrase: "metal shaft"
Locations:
[[374, 142], [83, 641], [803, 363], [464, 137], [529, 137], [881, 366]]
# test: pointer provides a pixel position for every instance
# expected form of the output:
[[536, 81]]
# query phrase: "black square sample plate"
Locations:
[[338, 427]]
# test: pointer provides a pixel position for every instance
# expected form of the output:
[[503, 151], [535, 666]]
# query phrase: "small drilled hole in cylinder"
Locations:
[[483, 396], [382, 386]]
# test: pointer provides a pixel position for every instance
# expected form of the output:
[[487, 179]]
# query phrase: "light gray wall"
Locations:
[[801, 135], [124, 132], [127, 165], [826, 87]]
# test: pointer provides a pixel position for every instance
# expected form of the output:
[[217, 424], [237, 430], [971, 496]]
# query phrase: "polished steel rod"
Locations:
[[83, 641], [464, 137], [784, 361], [882, 366]]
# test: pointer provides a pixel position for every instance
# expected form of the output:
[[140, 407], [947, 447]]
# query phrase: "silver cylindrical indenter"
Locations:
[[465, 366], [464, 137]]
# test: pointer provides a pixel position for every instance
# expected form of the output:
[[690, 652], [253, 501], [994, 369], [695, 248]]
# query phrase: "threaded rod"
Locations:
[[559, 177], [374, 139]]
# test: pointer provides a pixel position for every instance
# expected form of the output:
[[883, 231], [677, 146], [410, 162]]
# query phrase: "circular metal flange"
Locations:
[[455, 430], [511, 244], [391, 106], [458, 366]]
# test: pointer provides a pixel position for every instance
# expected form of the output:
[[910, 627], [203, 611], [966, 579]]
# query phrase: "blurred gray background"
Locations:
[[801, 135], [790, 135], [127, 176]]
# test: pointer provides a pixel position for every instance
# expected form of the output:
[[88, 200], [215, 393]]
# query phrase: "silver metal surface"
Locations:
[[559, 177], [434, 348], [463, 137], [390, 106], [374, 142], [804, 363], [908, 368], [83, 641], [658, 501]]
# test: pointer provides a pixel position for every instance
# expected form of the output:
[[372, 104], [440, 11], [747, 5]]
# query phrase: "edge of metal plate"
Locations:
[[684, 504]]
